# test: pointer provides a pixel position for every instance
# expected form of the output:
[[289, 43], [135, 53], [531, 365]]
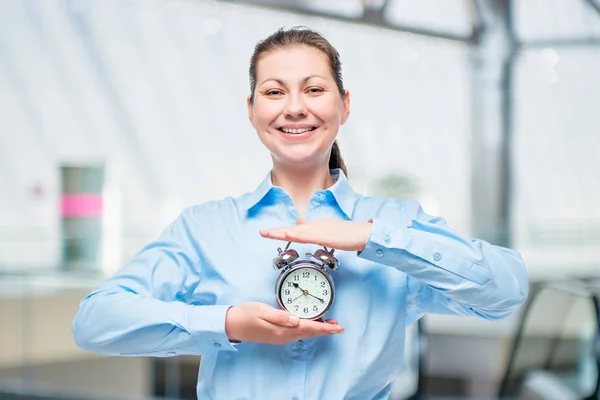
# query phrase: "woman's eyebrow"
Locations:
[[282, 83]]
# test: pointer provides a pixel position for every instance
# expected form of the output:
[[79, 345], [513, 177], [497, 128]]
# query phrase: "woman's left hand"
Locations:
[[341, 235]]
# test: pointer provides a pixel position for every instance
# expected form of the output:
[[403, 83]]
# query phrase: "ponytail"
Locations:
[[336, 160]]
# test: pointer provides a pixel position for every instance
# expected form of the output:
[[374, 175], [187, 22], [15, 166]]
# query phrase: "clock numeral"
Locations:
[[306, 310], [296, 277], [306, 274], [322, 284], [296, 307], [325, 292], [289, 284], [287, 291], [315, 308], [289, 300], [316, 277]]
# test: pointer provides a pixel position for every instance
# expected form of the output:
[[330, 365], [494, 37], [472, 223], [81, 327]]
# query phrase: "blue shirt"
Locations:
[[172, 297]]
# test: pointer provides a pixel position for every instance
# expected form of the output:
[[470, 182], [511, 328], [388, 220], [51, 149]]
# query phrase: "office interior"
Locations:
[[485, 111]]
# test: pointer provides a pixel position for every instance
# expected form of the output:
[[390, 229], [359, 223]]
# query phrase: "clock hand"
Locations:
[[298, 297], [298, 287], [307, 293], [321, 300]]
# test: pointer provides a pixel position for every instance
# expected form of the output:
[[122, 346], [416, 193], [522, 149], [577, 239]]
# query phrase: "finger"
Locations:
[[277, 231], [274, 233], [287, 234], [279, 317], [331, 321], [318, 328], [264, 232], [301, 221]]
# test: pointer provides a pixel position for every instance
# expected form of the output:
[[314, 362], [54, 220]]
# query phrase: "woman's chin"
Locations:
[[315, 153], [300, 159]]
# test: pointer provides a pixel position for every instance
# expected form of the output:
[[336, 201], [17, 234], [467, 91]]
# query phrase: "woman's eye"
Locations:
[[315, 90], [274, 92]]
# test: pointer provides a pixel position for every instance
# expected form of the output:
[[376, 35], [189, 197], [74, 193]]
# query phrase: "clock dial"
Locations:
[[306, 292]]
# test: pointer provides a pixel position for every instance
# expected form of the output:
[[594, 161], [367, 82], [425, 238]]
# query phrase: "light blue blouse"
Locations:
[[171, 298]]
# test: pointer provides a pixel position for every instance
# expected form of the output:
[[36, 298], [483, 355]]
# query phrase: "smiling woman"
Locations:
[[392, 263], [297, 94]]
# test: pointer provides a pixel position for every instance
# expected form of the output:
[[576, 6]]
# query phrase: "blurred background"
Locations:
[[117, 114]]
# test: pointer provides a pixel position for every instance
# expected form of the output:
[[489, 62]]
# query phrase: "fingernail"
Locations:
[[340, 330], [294, 319]]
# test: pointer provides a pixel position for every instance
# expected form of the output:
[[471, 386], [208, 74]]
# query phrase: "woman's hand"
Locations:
[[342, 235], [261, 323]]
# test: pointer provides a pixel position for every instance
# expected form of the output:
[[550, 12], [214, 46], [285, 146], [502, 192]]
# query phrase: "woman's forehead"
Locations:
[[293, 62]]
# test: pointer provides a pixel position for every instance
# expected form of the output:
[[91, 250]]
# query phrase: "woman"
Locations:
[[206, 286]]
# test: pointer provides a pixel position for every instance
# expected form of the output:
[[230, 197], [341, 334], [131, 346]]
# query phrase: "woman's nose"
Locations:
[[295, 107]]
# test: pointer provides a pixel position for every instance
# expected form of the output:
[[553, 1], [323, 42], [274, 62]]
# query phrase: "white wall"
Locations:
[[157, 90]]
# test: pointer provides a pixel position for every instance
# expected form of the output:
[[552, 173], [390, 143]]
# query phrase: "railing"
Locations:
[[556, 352]]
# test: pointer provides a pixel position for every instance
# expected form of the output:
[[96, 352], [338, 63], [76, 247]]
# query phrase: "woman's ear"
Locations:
[[346, 112], [250, 115]]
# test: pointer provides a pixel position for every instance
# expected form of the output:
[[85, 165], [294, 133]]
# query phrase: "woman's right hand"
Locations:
[[261, 323]]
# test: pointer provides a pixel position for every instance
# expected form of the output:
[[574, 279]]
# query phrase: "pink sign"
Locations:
[[81, 205]]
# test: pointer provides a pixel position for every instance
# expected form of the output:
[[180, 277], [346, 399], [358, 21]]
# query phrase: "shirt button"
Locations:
[[321, 196], [437, 256], [387, 238], [299, 344], [217, 345], [379, 253]]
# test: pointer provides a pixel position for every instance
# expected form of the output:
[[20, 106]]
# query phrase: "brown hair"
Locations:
[[303, 36]]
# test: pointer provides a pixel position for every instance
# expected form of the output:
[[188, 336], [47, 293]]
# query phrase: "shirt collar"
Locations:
[[341, 190]]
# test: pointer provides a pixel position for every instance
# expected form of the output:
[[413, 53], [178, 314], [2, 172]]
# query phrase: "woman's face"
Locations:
[[297, 108]]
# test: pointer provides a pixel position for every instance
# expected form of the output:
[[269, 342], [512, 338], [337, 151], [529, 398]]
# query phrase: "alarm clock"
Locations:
[[305, 287]]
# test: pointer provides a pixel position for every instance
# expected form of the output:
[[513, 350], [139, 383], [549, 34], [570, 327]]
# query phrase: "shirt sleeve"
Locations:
[[145, 309], [446, 272]]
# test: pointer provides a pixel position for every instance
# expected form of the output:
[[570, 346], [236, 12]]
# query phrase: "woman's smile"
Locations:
[[297, 132]]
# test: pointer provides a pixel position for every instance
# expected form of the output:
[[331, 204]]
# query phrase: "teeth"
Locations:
[[301, 130]]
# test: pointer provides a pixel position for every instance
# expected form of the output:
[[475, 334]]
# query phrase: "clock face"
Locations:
[[306, 292]]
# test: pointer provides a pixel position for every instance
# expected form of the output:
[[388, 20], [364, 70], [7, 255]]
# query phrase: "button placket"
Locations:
[[299, 369]]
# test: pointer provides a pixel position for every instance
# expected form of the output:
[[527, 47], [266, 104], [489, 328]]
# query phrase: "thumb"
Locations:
[[300, 221], [279, 317]]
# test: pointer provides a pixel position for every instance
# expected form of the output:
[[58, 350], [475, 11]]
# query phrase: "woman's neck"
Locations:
[[301, 183]]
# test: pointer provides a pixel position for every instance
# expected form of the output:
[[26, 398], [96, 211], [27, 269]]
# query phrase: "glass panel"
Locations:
[[555, 19], [555, 353], [450, 16], [81, 215]]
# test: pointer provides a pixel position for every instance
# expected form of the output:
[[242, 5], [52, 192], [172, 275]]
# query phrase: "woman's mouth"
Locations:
[[295, 134], [297, 131]]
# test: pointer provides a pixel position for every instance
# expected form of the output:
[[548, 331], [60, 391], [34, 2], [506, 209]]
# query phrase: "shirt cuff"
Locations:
[[207, 327], [384, 246]]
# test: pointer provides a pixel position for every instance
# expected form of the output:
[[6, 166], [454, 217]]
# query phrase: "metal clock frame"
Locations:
[[288, 261], [301, 264]]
